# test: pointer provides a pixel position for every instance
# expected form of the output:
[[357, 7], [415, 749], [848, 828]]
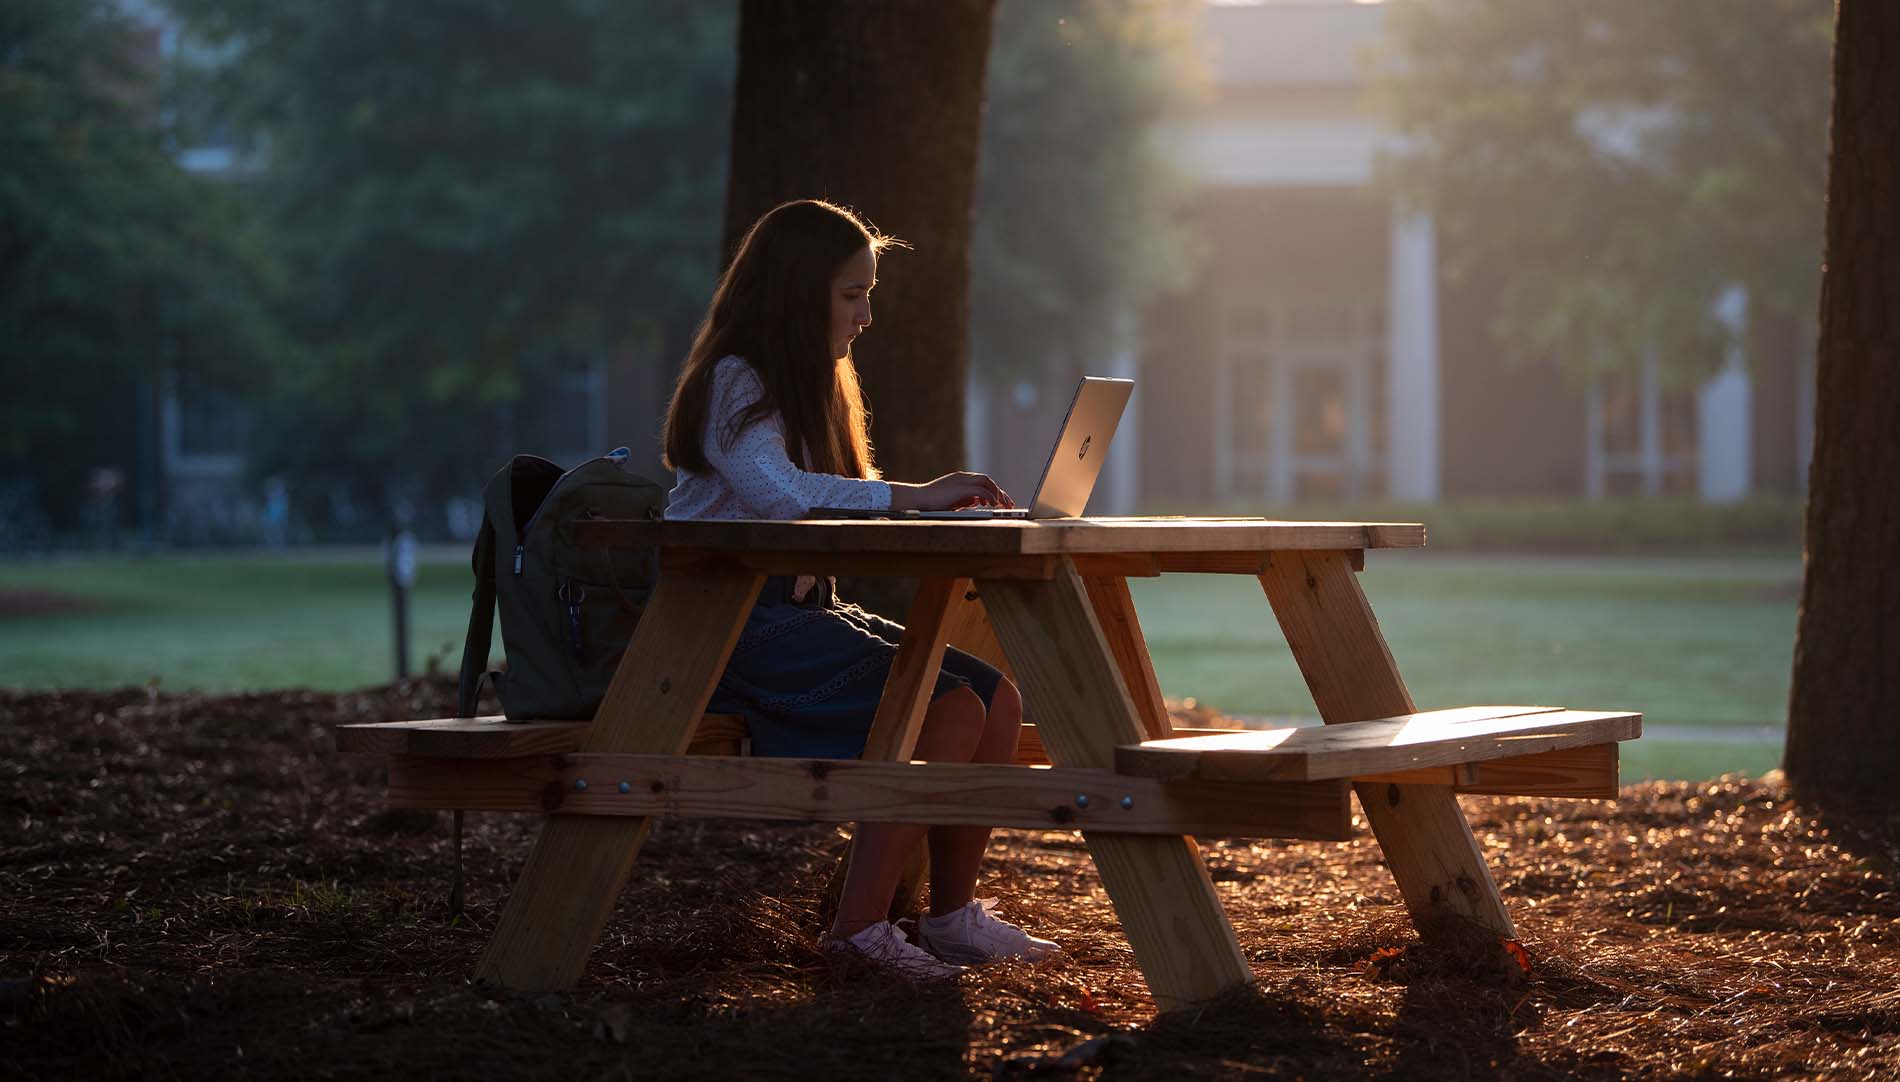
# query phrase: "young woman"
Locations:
[[767, 422]]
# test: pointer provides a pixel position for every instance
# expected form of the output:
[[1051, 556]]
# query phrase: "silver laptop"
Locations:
[[1067, 477]]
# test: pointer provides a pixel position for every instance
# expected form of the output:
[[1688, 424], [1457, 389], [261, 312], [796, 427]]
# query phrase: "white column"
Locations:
[[1411, 409], [1725, 412], [1595, 481], [1649, 424], [1220, 412], [1124, 454], [1280, 479]]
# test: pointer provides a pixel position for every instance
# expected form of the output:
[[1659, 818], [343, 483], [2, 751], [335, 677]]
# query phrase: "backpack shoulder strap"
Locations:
[[481, 620]]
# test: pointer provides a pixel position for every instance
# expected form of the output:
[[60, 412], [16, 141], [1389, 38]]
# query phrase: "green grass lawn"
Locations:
[[1697, 643], [226, 622], [1691, 642]]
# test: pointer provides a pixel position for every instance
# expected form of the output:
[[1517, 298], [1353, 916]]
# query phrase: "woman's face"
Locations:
[[851, 300]]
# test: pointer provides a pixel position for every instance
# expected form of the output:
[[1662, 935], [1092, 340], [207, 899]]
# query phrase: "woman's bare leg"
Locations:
[[956, 853], [954, 727]]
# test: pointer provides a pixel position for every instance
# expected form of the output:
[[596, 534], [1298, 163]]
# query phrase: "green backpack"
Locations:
[[567, 613]]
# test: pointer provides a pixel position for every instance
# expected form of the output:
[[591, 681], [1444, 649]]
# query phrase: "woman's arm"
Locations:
[[949, 492], [761, 473], [757, 467]]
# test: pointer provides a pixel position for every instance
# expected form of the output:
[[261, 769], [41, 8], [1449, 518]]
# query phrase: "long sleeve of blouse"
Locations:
[[755, 466]]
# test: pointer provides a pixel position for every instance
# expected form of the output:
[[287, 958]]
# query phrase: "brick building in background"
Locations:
[[1322, 354]]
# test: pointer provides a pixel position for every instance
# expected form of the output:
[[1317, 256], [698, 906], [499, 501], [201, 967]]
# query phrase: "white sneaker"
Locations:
[[884, 946], [974, 935]]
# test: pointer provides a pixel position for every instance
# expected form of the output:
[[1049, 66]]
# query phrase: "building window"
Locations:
[[1299, 404], [1642, 436]]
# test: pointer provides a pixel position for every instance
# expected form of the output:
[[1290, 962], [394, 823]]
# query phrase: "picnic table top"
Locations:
[[1001, 537]]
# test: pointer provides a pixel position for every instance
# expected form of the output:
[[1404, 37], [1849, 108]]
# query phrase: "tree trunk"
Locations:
[[877, 104], [1843, 742]]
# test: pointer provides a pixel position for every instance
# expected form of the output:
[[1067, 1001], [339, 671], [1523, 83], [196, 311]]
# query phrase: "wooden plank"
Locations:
[[466, 738], [1457, 775], [1587, 772], [1220, 563], [858, 542], [578, 864], [900, 715], [1159, 886], [498, 738], [840, 791], [897, 565], [1504, 738], [1115, 611], [969, 630], [913, 675], [1336, 641], [1123, 565], [1355, 749]]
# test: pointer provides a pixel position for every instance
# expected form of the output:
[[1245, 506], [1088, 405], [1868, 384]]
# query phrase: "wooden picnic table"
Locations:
[[1055, 596]]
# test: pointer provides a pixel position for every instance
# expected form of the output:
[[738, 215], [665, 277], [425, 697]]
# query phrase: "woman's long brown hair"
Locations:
[[772, 308]]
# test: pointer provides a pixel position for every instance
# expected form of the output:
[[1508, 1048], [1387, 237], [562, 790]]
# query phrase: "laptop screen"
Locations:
[[1081, 447]]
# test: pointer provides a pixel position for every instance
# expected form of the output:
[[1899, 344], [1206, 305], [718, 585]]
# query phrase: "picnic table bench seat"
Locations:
[[1506, 750], [496, 737], [488, 763]]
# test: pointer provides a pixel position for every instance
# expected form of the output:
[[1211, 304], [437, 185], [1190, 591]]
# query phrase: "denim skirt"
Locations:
[[807, 675]]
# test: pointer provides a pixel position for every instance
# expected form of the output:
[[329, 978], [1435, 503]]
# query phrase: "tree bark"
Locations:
[[877, 104], [1843, 741]]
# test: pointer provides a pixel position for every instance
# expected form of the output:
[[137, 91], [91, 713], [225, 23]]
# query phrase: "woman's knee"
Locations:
[[1006, 704], [953, 725], [1002, 730]]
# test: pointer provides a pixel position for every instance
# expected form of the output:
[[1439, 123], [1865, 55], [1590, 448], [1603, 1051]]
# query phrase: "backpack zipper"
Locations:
[[617, 456], [572, 595]]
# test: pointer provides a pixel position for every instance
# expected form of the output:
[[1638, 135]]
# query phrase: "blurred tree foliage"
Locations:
[[1077, 218], [114, 262], [471, 196], [1617, 164], [467, 193]]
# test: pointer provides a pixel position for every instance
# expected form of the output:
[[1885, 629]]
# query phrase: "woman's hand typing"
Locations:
[[951, 492]]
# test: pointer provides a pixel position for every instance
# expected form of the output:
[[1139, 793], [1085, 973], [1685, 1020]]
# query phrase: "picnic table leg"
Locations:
[[970, 631], [899, 718], [1115, 610], [579, 863], [1072, 686], [913, 675], [1349, 669]]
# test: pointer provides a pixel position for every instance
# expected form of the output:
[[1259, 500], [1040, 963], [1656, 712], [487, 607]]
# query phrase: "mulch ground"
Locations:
[[199, 887]]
